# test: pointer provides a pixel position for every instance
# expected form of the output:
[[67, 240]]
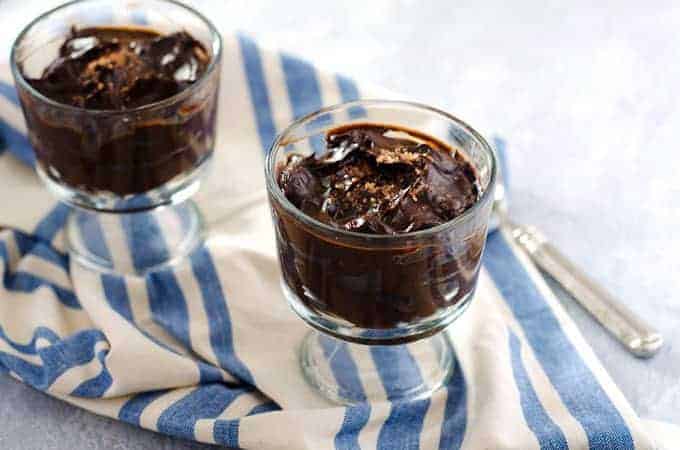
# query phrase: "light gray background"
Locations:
[[586, 96]]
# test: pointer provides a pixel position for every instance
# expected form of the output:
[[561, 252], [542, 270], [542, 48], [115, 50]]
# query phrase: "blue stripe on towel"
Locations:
[[455, 411], [29, 283], [76, 350], [216, 308], [28, 244], [11, 139], [302, 85], [97, 386], [348, 88], [53, 222], [166, 299], [347, 376], [17, 144], [29, 373], [356, 418], [349, 93], [145, 240], [20, 281], [259, 95], [168, 305], [31, 348], [225, 432], [118, 298], [14, 141], [342, 364], [548, 434], [304, 93], [206, 402], [396, 366], [92, 236], [561, 361], [48, 253], [9, 92], [209, 373], [132, 409], [401, 430], [117, 295]]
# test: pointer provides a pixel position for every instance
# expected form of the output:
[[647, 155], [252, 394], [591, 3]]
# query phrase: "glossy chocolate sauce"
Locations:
[[121, 68], [379, 180], [105, 72]]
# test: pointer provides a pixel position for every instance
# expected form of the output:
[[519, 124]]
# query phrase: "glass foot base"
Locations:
[[134, 243], [350, 373]]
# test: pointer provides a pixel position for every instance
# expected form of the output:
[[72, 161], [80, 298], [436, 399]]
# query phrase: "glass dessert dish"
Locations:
[[377, 301], [127, 157]]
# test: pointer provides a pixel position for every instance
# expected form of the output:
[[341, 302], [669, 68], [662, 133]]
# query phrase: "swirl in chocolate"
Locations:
[[380, 180], [121, 68]]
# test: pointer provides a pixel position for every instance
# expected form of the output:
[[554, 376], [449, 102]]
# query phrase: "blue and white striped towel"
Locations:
[[206, 351]]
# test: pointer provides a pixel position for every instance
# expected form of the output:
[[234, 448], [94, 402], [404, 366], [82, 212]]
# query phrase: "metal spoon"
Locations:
[[636, 335]]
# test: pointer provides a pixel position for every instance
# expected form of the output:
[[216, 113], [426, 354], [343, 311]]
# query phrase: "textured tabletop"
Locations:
[[586, 97]]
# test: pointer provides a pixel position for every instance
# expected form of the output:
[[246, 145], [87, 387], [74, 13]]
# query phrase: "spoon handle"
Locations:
[[634, 333]]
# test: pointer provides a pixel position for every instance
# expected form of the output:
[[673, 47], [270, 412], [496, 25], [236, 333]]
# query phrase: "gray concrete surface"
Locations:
[[586, 94]]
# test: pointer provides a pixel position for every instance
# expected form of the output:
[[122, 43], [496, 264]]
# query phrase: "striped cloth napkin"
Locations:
[[206, 351]]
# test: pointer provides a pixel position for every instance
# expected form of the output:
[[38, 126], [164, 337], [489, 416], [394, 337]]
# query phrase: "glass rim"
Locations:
[[216, 44], [274, 189]]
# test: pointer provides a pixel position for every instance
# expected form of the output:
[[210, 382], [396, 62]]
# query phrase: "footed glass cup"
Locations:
[[128, 174], [378, 304]]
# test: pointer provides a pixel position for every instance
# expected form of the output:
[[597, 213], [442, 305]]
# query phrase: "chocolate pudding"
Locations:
[[379, 180], [105, 142]]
